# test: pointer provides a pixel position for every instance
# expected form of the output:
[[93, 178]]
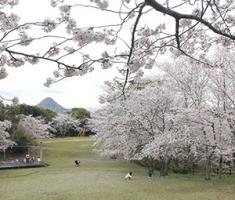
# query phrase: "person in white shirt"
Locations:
[[128, 176]]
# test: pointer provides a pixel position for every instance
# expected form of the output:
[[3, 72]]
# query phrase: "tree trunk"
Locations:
[[167, 167], [189, 167], [151, 168], [207, 169], [189, 162], [220, 166], [164, 167]]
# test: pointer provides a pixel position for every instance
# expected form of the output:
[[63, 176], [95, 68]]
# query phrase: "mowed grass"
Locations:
[[102, 179]]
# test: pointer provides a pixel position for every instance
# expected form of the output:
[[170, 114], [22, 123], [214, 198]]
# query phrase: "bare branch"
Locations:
[[177, 33], [158, 7], [37, 57], [132, 45]]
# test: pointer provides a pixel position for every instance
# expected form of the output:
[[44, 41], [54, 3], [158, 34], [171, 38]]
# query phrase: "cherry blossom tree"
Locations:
[[65, 125], [215, 137], [110, 134], [138, 119], [197, 26], [222, 80], [5, 142], [189, 80], [35, 127], [150, 125]]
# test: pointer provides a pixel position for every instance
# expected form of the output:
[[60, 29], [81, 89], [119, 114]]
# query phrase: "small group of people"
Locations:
[[30, 159]]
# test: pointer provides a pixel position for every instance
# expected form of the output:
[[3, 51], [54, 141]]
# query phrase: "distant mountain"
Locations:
[[51, 104]]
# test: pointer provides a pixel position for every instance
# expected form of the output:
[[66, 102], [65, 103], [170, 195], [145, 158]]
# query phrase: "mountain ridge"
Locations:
[[51, 104]]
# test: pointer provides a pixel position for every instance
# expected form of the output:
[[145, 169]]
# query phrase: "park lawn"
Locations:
[[101, 179]]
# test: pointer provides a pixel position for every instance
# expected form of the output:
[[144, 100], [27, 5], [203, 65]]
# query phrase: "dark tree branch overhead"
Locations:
[[177, 33], [158, 7], [11, 52], [132, 44]]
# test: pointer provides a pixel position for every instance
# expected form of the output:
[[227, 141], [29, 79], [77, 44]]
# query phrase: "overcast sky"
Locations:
[[27, 82]]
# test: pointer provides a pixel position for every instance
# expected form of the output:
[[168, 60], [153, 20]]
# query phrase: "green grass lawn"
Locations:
[[100, 179]]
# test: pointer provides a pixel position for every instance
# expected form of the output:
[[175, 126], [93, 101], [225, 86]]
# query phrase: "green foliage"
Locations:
[[2, 111], [83, 115], [80, 113], [22, 138], [14, 112]]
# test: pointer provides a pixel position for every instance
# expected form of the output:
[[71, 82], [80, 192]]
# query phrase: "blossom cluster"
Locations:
[[64, 124], [102, 4], [36, 127], [5, 142], [87, 36]]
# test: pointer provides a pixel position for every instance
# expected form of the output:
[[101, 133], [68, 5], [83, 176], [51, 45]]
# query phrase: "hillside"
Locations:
[[51, 104]]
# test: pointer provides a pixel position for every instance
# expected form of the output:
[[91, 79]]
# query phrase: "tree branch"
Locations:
[[37, 57], [158, 7], [177, 33], [132, 45]]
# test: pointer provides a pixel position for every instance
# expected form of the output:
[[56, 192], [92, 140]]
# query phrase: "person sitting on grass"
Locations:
[[77, 163], [128, 176]]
